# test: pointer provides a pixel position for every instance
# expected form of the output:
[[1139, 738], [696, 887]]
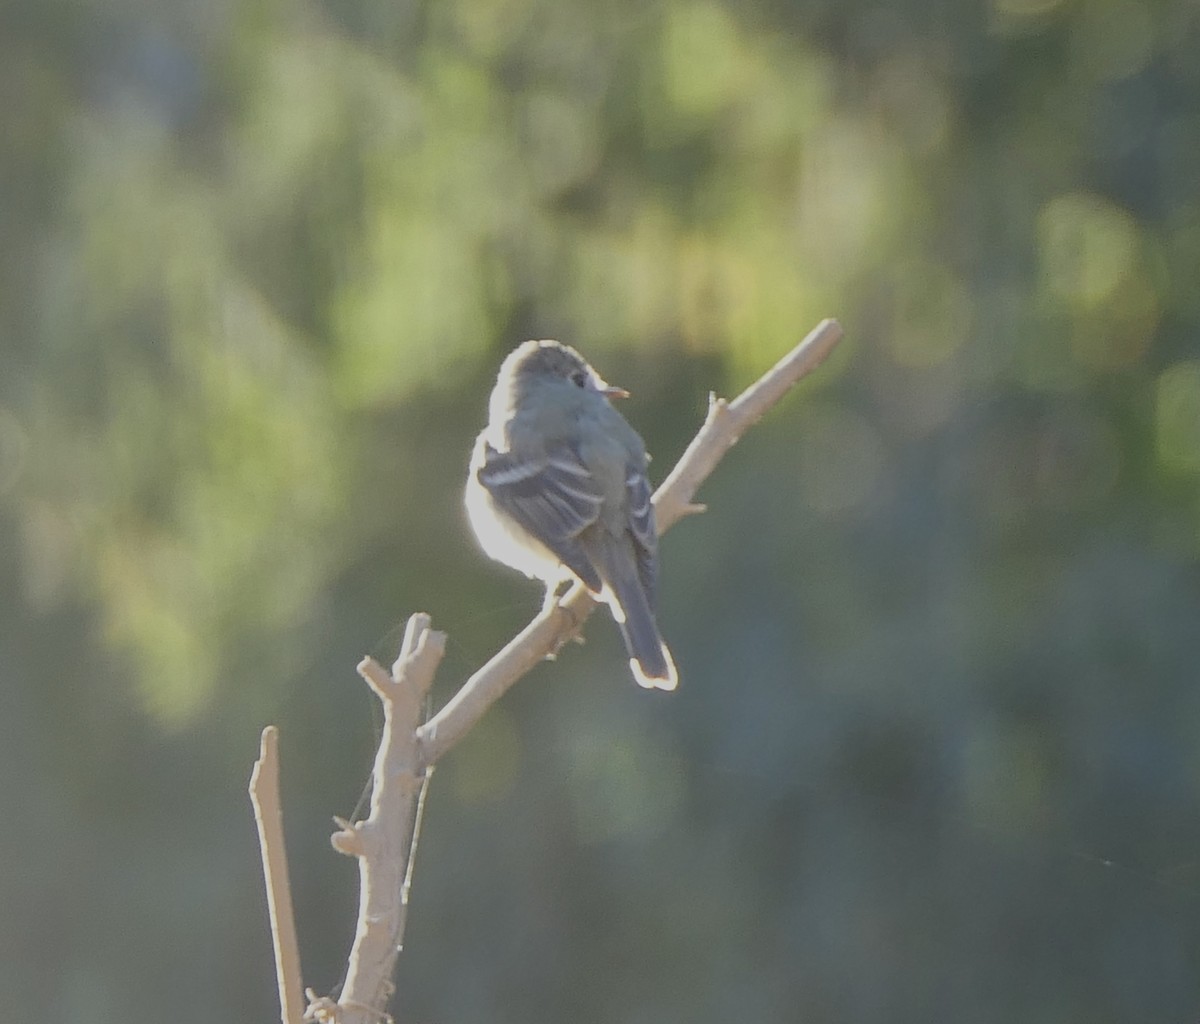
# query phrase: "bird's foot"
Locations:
[[555, 593]]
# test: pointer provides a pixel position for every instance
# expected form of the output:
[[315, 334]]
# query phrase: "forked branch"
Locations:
[[383, 842]]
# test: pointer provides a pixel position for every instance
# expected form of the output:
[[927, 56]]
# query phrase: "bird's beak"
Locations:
[[608, 391]]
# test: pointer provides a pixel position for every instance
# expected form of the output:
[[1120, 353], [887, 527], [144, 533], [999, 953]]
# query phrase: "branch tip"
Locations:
[[376, 677], [414, 632], [430, 643], [268, 747], [348, 842]]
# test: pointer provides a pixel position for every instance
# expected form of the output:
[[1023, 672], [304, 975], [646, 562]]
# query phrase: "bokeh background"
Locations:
[[936, 755]]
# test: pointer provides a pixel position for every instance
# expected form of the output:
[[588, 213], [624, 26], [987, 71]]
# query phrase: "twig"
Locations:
[[725, 424], [728, 421], [268, 815], [406, 887]]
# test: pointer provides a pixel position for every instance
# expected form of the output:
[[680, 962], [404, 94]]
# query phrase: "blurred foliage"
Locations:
[[936, 752]]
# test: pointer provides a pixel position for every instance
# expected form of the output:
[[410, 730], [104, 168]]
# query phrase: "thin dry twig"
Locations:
[[728, 421], [268, 815]]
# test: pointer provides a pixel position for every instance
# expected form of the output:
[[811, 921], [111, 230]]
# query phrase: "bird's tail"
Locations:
[[649, 657]]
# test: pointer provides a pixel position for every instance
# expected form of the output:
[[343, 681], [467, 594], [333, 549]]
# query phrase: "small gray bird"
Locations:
[[557, 489]]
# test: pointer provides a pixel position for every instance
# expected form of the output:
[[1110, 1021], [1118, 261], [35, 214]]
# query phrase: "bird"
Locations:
[[557, 489]]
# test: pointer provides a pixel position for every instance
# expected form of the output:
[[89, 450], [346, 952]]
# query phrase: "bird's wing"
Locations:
[[553, 497], [643, 529]]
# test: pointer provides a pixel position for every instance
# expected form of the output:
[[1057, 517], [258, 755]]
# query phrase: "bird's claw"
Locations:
[[555, 593]]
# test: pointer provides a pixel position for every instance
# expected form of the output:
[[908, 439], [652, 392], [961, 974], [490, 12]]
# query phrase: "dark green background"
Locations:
[[936, 753]]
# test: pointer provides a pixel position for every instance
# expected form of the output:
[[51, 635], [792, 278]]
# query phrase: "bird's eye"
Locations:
[[579, 379]]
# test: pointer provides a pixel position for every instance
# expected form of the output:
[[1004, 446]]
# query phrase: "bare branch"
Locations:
[[268, 815], [725, 424], [728, 421], [384, 840]]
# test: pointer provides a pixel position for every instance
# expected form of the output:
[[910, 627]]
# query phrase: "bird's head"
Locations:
[[540, 362]]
